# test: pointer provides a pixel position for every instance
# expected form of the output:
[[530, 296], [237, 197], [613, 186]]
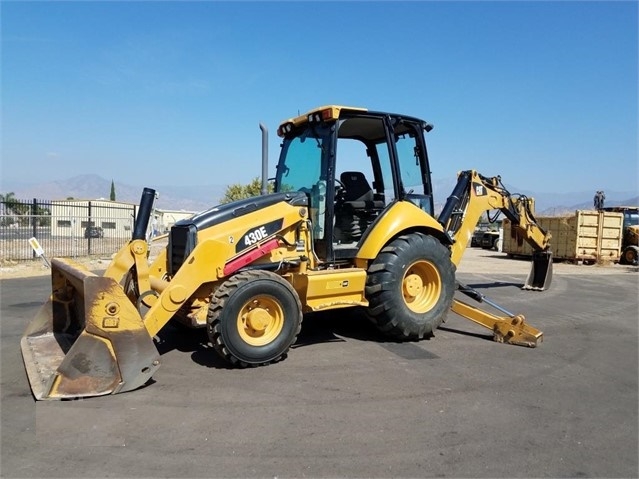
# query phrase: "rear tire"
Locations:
[[410, 287], [254, 318], [629, 255]]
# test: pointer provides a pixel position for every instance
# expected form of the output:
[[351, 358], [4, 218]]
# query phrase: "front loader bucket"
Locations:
[[540, 275], [88, 339]]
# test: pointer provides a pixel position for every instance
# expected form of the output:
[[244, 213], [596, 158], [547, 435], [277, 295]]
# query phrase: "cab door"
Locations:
[[412, 167]]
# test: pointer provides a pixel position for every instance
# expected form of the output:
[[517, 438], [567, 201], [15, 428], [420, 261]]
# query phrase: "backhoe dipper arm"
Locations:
[[475, 194]]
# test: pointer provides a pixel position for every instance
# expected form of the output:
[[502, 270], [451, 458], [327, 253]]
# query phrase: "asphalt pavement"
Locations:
[[348, 403]]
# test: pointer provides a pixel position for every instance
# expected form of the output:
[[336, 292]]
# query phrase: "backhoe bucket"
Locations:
[[540, 275], [88, 339]]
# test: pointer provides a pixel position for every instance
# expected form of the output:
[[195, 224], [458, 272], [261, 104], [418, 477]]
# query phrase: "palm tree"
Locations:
[[11, 203], [13, 206], [8, 197]]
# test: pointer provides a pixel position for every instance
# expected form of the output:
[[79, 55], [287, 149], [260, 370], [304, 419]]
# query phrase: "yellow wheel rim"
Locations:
[[260, 321], [421, 286]]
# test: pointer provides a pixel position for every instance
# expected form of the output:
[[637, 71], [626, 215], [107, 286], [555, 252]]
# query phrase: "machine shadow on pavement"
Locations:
[[332, 326], [317, 328], [495, 284], [486, 336], [195, 341]]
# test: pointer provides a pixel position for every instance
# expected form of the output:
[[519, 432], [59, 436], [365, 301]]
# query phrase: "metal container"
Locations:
[[588, 236]]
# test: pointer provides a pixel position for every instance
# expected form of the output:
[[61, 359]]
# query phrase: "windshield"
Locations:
[[300, 168], [631, 218], [300, 164]]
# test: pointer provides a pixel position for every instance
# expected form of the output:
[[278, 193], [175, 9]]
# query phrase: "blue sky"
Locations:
[[156, 93]]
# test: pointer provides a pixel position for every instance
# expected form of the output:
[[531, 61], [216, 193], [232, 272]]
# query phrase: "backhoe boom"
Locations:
[[475, 194]]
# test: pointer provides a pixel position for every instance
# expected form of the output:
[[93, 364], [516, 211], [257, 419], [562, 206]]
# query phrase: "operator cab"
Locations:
[[352, 163]]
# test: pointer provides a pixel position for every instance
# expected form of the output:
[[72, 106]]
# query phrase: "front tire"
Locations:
[[410, 287], [254, 318]]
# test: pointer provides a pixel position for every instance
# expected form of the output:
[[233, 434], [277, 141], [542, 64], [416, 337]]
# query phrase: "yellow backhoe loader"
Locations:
[[351, 224], [630, 239]]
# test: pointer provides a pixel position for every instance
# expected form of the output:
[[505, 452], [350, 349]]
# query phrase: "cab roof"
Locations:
[[326, 112], [361, 127]]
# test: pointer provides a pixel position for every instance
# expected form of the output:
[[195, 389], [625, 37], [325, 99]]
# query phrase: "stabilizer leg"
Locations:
[[511, 329]]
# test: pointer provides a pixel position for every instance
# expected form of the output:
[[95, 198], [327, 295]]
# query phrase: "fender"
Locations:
[[399, 217]]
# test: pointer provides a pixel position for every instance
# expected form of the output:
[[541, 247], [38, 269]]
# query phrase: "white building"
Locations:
[[103, 218], [107, 219], [167, 218]]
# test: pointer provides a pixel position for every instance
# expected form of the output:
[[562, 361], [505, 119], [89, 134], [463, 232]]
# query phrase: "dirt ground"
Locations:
[[475, 260], [38, 266]]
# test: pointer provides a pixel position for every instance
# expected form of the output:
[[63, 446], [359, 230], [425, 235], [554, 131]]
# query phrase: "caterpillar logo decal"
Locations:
[[257, 234], [480, 190]]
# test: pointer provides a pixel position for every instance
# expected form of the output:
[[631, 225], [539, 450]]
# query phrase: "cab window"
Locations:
[[413, 184]]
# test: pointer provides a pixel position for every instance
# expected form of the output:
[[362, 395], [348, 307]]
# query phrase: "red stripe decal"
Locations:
[[250, 256]]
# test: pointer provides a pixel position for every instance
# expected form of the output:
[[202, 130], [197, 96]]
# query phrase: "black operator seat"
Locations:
[[358, 193]]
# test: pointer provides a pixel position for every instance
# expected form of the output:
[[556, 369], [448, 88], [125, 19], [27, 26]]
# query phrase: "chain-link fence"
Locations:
[[70, 228]]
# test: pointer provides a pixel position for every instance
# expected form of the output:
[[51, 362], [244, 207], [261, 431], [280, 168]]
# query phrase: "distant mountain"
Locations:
[[93, 187], [201, 197], [546, 204], [562, 204]]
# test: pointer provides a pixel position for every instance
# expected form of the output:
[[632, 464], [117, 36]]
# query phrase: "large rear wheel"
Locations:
[[254, 318], [410, 287], [630, 255]]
